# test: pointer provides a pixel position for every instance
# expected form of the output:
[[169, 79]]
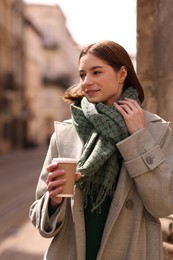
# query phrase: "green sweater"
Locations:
[[94, 225]]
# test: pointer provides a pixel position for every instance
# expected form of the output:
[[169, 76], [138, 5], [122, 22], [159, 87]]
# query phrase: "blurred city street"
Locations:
[[19, 172]]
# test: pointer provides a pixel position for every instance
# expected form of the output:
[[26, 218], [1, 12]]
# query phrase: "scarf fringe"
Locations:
[[90, 191]]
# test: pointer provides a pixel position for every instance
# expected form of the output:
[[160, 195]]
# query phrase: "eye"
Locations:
[[82, 75], [96, 72]]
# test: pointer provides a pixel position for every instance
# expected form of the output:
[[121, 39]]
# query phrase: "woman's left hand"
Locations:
[[132, 113]]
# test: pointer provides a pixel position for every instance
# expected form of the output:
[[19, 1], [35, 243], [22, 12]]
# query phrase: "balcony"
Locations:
[[62, 81]]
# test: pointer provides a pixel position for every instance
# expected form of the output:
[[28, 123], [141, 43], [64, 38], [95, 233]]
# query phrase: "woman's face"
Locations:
[[99, 81]]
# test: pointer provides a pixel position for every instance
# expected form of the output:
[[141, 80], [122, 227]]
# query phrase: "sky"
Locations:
[[93, 20]]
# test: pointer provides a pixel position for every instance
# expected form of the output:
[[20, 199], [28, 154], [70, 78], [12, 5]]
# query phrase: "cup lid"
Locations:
[[64, 160]]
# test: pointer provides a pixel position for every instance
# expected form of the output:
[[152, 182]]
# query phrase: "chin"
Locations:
[[93, 99]]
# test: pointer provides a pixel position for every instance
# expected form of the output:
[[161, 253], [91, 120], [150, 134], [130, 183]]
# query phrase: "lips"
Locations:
[[91, 92]]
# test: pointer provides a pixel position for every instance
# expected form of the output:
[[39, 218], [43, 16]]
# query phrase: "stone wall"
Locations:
[[154, 68], [155, 55]]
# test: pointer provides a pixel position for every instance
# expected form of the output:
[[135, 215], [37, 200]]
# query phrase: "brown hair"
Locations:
[[115, 56]]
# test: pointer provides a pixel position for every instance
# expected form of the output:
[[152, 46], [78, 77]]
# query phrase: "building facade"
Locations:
[[11, 74], [51, 60], [38, 62]]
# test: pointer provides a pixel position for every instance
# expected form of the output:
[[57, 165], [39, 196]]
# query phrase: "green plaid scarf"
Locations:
[[100, 127]]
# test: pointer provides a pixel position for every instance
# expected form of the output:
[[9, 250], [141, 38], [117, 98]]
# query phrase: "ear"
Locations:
[[122, 74]]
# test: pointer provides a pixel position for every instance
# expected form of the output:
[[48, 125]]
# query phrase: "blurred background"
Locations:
[[40, 42]]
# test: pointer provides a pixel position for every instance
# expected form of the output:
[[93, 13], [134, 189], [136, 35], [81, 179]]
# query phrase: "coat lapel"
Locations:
[[70, 145], [79, 223], [122, 190]]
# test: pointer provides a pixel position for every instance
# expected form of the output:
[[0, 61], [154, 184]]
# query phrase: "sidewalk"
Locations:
[[21, 241], [26, 244]]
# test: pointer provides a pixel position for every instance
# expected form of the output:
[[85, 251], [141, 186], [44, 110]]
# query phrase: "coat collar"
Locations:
[[68, 141]]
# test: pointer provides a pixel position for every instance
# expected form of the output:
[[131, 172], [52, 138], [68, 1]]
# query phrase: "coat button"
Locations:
[[129, 204], [149, 159]]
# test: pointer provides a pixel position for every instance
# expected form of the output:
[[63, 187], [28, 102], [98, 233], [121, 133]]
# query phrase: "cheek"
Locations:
[[82, 87], [113, 87], [81, 84]]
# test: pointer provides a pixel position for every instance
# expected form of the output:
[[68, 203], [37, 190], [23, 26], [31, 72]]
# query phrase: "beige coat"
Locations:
[[143, 195]]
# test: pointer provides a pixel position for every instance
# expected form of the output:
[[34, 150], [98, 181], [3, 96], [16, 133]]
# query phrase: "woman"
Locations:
[[124, 174]]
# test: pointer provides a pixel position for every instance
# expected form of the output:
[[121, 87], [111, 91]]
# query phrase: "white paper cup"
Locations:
[[69, 166]]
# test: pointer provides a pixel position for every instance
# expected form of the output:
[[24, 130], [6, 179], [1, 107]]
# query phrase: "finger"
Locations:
[[53, 193], [125, 103], [127, 108], [133, 108], [52, 166], [120, 109], [54, 196], [52, 185], [134, 102], [55, 174], [77, 176]]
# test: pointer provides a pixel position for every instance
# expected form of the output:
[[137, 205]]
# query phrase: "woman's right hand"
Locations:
[[55, 184]]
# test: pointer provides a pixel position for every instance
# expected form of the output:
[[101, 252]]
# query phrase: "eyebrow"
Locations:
[[93, 68]]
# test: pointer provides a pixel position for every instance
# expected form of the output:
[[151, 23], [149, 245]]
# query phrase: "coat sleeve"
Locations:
[[148, 157], [48, 226]]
